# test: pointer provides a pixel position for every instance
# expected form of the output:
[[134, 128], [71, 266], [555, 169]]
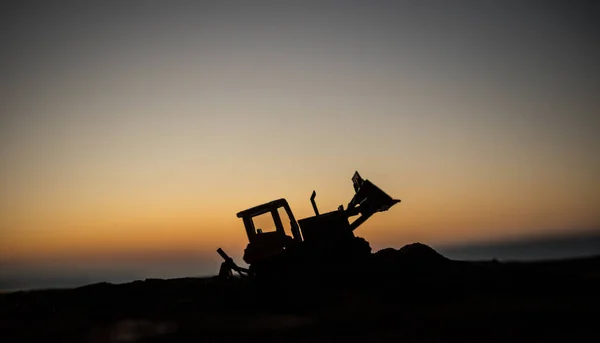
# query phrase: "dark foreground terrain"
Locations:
[[409, 295]]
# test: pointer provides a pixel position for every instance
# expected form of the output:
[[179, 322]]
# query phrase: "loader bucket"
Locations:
[[369, 196]]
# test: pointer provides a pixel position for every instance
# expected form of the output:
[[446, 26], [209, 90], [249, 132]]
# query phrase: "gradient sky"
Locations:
[[135, 133]]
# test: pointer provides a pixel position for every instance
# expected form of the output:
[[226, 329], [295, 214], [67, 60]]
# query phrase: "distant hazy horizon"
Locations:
[[577, 244]]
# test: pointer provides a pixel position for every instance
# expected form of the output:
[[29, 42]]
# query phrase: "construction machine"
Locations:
[[310, 245]]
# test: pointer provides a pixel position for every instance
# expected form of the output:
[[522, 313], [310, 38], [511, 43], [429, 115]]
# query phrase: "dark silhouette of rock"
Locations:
[[411, 254], [421, 252], [386, 253]]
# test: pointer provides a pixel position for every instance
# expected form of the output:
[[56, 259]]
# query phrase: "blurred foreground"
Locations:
[[413, 294]]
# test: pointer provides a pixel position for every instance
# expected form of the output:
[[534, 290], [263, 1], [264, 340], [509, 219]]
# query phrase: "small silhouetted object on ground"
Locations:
[[229, 266], [318, 245]]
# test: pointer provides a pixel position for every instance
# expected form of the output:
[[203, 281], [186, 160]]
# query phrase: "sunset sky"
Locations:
[[131, 135]]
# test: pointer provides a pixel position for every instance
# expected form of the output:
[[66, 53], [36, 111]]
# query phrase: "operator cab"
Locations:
[[271, 228]]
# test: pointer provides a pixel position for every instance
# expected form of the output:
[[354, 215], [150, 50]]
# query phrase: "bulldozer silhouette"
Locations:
[[317, 244]]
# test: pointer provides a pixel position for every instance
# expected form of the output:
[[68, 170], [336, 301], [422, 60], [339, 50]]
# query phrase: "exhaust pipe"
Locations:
[[314, 204]]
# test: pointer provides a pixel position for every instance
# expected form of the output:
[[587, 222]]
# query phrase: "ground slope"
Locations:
[[413, 294]]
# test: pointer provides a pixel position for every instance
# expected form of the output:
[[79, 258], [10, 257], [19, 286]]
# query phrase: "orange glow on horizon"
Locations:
[[434, 215]]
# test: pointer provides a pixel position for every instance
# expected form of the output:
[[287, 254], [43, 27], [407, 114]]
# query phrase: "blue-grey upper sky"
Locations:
[[543, 54]]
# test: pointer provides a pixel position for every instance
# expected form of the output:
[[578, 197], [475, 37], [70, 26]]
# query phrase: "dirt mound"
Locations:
[[421, 251], [387, 252], [415, 253]]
